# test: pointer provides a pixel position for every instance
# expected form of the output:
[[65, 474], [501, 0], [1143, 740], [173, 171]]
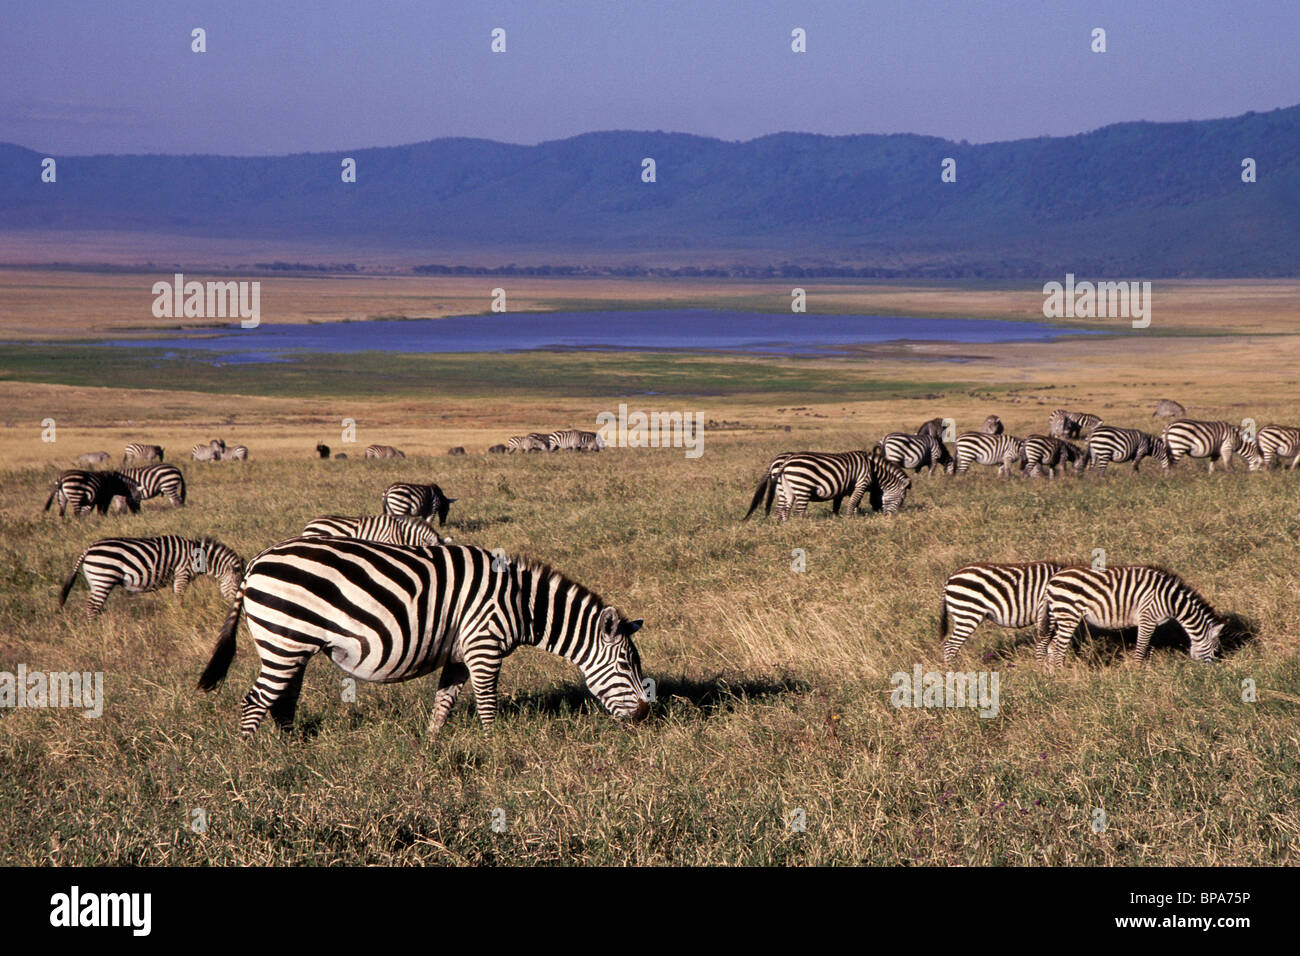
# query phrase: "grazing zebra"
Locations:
[[1065, 424], [322, 450], [1009, 595], [1108, 443], [208, 452], [146, 564], [92, 458], [237, 453], [984, 449], [1168, 408], [571, 439], [458, 450], [155, 480], [1216, 441], [1278, 442], [916, 451], [404, 498], [405, 530], [86, 490], [831, 476], [934, 428], [533, 441], [1118, 597], [1045, 452], [992, 426], [138, 452], [386, 614], [384, 451], [498, 450]]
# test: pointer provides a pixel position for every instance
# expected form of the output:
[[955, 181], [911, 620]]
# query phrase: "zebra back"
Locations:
[[406, 530]]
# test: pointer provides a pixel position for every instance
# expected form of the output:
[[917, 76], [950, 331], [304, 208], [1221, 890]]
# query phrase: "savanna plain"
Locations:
[[773, 739]]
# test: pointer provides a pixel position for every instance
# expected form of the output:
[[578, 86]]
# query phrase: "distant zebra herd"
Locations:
[[388, 598]]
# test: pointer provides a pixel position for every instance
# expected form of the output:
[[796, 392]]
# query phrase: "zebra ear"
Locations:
[[607, 624], [631, 627]]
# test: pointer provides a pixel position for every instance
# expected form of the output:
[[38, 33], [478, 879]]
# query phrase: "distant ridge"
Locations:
[[1148, 199]]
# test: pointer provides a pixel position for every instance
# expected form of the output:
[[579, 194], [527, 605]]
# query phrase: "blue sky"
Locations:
[[280, 77]]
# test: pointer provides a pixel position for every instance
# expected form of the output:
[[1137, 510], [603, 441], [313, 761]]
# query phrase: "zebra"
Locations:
[[1278, 442], [404, 498], [92, 458], [992, 426], [498, 450], [533, 441], [934, 427], [571, 439], [1108, 443], [1065, 424], [146, 564], [1212, 440], [1045, 452], [209, 452], [457, 450], [407, 530], [766, 490], [916, 451], [984, 449], [830, 476], [322, 450], [237, 453], [384, 451], [1168, 408], [155, 480], [1009, 595], [86, 490], [386, 613], [1140, 596], [139, 452]]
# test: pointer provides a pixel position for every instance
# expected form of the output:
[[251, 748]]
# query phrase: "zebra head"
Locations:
[[223, 564], [1204, 630], [612, 666]]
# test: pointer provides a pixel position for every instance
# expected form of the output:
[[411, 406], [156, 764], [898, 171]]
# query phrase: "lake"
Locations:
[[677, 329]]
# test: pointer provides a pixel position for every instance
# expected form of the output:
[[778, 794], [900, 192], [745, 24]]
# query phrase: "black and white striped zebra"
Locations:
[[766, 491], [155, 480], [833, 476], [573, 439], [992, 426], [934, 427], [84, 491], [1066, 424], [384, 451], [406, 498], [1216, 441], [408, 530], [385, 613], [1278, 443], [146, 564], [916, 451], [1043, 453], [92, 458], [212, 451], [235, 453], [1009, 595], [978, 448], [1109, 444], [497, 450], [1118, 597], [137, 451], [533, 441]]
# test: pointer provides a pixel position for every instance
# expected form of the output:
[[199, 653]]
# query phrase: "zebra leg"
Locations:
[[273, 682], [1146, 627], [484, 669], [835, 505], [856, 499], [453, 677], [285, 707], [1043, 632], [1294, 462], [183, 576], [799, 505], [962, 628], [98, 597], [1062, 634]]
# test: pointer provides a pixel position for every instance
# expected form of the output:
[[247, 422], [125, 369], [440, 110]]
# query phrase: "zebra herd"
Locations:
[[387, 598], [563, 439]]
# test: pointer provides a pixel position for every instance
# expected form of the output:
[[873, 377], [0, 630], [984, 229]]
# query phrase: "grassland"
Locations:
[[773, 685]]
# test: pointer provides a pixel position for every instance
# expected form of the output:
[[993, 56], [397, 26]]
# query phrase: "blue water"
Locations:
[[688, 329]]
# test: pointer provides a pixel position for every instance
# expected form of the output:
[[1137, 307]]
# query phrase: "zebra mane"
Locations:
[[558, 579], [1194, 592]]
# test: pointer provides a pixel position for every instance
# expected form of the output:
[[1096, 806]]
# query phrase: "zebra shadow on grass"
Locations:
[[681, 696], [1102, 647]]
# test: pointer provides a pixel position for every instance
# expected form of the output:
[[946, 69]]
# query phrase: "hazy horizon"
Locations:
[[330, 76]]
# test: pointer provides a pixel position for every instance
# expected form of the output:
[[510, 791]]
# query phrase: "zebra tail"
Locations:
[[72, 579], [764, 486], [943, 618], [224, 653], [50, 500]]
